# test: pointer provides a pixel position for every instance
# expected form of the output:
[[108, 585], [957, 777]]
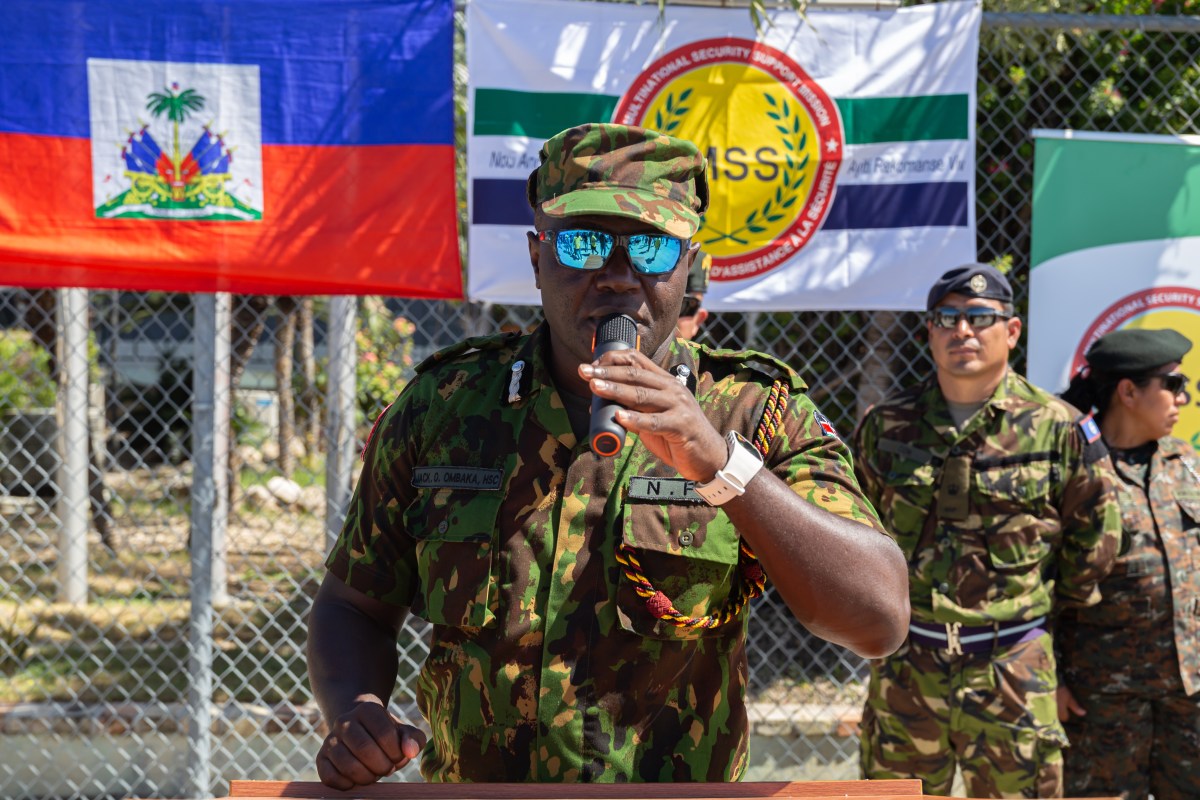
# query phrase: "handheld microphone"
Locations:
[[615, 332]]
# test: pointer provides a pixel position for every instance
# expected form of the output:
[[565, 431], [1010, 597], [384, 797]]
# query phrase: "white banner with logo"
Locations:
[[1115, 244], [841, 149]]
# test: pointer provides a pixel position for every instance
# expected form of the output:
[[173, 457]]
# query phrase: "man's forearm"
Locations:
[[349, 655], [843, 580]]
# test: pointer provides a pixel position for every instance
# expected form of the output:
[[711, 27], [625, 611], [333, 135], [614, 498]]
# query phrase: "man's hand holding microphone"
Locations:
[[632, 393]]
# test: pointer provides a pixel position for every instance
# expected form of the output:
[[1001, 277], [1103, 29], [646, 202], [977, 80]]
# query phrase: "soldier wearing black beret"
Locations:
[[972, 280], [1130, 695], [1006, 513]]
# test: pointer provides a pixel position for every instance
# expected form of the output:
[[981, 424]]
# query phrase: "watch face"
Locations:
[[736, 439]]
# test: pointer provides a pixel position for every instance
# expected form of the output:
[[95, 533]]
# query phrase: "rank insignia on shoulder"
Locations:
[[1089, 429], [826, 426]]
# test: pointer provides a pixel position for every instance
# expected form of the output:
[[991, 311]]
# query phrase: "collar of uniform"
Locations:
[[535, 388], [1171, 449], [527, 370], [681, 362], [939, 412]]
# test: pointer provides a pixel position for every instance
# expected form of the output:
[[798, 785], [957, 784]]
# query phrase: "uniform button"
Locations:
[[944, 587], [685, 539], [956, 451], [443, 526]]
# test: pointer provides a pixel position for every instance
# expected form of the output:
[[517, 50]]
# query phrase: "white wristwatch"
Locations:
[[730, 481]]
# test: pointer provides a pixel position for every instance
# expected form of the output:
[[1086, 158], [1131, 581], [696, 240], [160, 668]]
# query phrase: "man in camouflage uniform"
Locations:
[[693, 314], [589, 613], [1131, 664], [1006, 514]]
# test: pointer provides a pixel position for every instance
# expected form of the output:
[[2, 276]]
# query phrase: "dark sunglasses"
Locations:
[[580, 248], [1173, 382], [691, 305], [977, 318]]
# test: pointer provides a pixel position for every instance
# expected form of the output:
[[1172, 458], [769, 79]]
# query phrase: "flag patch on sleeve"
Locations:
[[826, 426]]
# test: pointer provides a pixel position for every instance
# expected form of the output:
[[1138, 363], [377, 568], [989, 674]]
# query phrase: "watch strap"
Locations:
[[730, 481]]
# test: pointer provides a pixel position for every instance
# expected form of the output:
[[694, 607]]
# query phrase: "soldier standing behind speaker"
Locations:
[[1131, 664], [692, 313], [1001, 499]]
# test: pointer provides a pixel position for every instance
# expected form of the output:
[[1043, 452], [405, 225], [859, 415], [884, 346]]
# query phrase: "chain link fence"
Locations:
[[97, 671]]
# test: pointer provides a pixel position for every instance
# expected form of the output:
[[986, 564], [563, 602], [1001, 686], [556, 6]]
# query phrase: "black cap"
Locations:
[[1136, 350], [697, 282], [972, 280]]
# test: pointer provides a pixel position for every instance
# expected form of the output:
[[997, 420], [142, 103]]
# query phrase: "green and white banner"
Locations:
[[1116, 244], [841, 149]]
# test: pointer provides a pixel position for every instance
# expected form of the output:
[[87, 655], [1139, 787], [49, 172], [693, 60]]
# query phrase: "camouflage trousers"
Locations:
[[1141, 735], [993, 715]]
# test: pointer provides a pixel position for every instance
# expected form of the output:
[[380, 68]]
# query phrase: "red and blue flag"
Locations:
[[250, 146]]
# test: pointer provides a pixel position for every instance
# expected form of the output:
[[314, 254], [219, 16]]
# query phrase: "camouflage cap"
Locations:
[[1135, 350], [697, 282], [972, 280], [624, 171]]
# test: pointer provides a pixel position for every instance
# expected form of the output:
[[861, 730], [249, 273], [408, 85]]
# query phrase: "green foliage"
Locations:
[[25, 380], [385, 361], [384, 344]]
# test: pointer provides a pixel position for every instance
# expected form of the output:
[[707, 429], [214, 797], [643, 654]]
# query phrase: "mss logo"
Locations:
[[772, 136]]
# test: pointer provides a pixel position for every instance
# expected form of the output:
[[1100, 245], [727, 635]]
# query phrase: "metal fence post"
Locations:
[[73, 472], [340, 402], [210, 499]]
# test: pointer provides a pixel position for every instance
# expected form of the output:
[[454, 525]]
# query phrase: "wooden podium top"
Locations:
[[814, 790], [811, 790]]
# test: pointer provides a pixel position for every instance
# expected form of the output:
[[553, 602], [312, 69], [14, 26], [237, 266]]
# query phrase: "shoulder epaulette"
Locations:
[[773, 368], [467, 346], [1094, 448]]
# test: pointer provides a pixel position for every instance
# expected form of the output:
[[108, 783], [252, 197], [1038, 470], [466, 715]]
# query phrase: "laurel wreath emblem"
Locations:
[[676, 111], [791, 176]]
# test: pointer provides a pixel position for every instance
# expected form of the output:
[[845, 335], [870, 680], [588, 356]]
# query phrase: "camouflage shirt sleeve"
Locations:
[[370, 554], [812, 459], [1091, 522]]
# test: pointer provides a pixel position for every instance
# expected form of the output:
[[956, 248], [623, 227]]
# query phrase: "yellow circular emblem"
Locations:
[[978, 284], [772, 137]]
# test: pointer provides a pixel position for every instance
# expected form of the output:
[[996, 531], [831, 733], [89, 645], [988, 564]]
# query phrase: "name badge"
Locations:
[[662, 490], [478, 478]]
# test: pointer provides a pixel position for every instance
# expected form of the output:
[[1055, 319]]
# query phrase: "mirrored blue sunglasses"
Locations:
[[580, 248]]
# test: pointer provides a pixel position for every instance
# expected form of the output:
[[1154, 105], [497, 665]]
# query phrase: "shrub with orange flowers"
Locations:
[[385, 361]]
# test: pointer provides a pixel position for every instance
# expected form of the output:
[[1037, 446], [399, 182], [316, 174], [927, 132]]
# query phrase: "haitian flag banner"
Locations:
[[1115, 244], [250, 146], [841, 147]]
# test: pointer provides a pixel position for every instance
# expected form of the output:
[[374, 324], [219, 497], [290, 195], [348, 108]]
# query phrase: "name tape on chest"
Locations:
[[479, 478], [662, 490]]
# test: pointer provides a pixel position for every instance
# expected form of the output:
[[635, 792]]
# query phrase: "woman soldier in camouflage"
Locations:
[[1130, 689]]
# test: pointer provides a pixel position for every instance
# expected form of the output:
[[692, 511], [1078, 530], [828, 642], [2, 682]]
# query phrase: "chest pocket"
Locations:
[[1189, 504], [688, 552], [455, 547], [906, 501], [1012, 501], [1189, 519]]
